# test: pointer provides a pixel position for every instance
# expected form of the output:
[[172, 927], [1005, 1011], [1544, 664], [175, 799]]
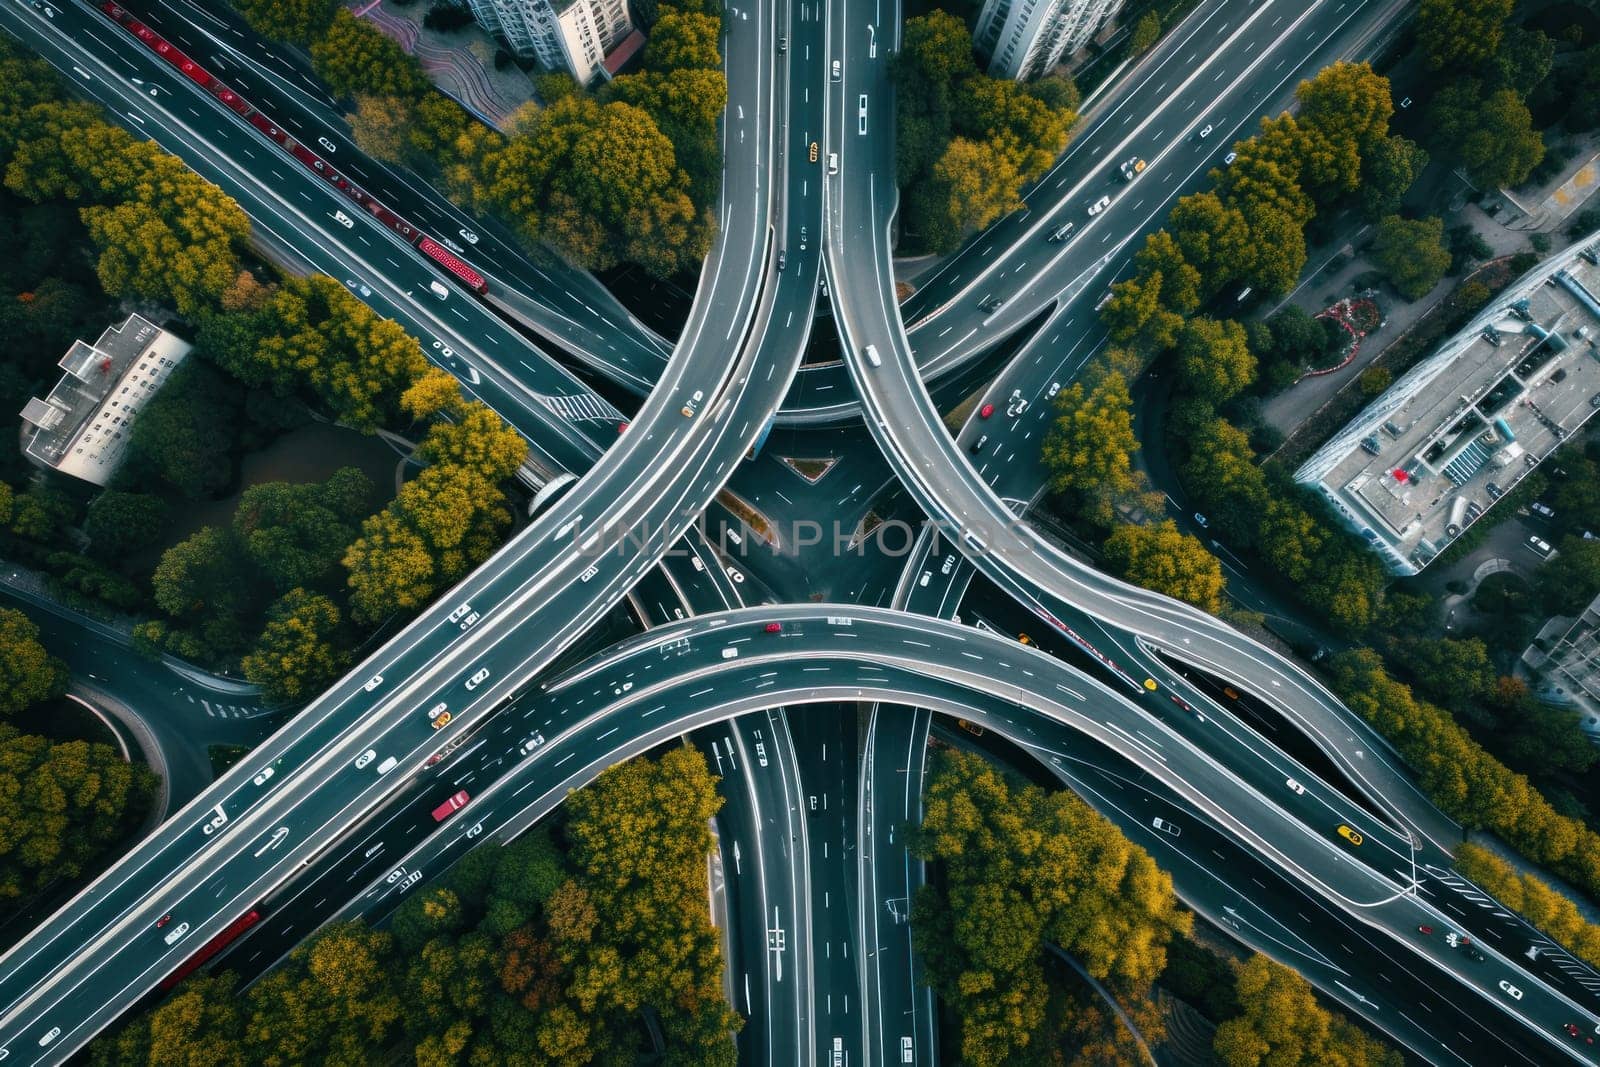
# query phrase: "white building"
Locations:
[[1458, 431], [1025, 38], [571, 35], [82, 427]]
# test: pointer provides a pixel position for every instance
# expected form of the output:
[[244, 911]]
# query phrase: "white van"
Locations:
[[387, 765], [871, 352], [439, 290], [730, 653]]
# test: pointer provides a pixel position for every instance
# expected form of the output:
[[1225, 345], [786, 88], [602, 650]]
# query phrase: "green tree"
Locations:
[[381, 125], [1388, 169], [1213, 359], [1003, 114], [296, 21], [1057, 91], [205, 580], [640, 837], [1449, 670], [479, 441], [1145, 33], [297, 654], [28, 674], [1460, 34], [333, 1001], [120, 523], [974, 184], [42, 514], [1088, 449], [390, 569], [1522, 61], [1491, 133], [1411, 253], [1282, 1025], [296, 534], [353, 56], [1570, 578], [187, 432], [199, 1025], [1344, 114], [1022, 868], [1160, 558], [68, 803], [681, 41]]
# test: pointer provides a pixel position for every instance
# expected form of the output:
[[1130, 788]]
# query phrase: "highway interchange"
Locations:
[[844, 970]]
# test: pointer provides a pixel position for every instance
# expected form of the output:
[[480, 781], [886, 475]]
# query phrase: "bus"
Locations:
[[456, 266]]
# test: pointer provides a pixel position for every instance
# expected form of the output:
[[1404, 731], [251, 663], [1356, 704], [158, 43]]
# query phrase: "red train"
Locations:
[[229, 934], [452, 263], [447, 261]]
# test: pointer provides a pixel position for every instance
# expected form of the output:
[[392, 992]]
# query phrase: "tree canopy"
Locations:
[[28, 673], [1281, 1024], [1160, 558], [1021, 869]]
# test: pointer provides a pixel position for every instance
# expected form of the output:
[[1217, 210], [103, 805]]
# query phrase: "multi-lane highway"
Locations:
[[1123, 675], [511, 617]]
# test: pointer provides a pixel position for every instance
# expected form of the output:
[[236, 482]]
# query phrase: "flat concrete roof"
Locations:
[[1456, 433]]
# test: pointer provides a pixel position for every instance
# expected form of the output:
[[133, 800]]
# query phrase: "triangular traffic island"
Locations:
[[812, 470]]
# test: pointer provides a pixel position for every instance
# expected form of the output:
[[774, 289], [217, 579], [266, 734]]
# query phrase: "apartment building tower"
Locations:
[[571, 35], [1025, 38]]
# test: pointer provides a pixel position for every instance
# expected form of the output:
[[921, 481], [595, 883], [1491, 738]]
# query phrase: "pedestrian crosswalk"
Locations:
[[578, 407], [225, 711]]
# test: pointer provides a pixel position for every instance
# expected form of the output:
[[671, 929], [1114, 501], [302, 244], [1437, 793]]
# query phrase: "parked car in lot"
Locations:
[[1540, 546]]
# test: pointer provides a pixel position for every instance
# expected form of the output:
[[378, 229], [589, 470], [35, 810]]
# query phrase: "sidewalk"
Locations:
[[460, 63]]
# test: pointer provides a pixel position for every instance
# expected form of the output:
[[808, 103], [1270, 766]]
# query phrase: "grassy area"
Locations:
[[225, 756]]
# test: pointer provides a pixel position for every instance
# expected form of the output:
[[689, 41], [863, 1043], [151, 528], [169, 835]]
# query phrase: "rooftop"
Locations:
[[1458, 431], [80, 427]]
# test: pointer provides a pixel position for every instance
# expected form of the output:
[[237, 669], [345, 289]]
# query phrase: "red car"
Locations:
[[1424, 929], [774, 627], [451, 806], [621, 426], [986, 411], [164, 920]]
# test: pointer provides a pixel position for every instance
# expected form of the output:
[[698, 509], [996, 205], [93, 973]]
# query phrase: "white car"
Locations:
[[1227, 160], [1510, 990], [1055, 387], [176, 933], [327, 144], [1539, 545], [54, 1033], [478, 679], [532, 743], [460, 613], [1166, 826], [948, 565], [452, 246], [466, 623], [838, 71], [469, 237], [1295, 787], [1205, 131], [365, 758], [261, 779], [1099, 206], [735, 574], [373, 683], [344, 220]]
